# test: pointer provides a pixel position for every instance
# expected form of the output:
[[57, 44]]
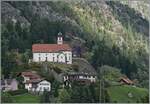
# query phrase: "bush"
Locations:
[[75, 67], [18, 92]]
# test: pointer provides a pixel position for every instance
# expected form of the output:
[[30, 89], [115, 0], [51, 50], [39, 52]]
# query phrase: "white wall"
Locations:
[[89, 77], [92, 78], [28, 86], [44, 85], [25, 79], [59, 40], [69, 56], [64, 57]]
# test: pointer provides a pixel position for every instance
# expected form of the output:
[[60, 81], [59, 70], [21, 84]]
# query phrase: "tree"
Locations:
[[145, 99], [55, 87], [83, 94], [109, 73], [20, 79], [46, 97], [64, 96]]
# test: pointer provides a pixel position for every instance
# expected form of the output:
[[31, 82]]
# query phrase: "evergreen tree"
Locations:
[[46, 97]]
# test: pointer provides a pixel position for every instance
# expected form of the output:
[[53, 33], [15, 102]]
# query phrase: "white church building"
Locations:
[[61, 53]]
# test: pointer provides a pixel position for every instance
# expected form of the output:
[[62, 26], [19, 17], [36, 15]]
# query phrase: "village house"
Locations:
[[125, 80], [33, 82], [79, 76], [61, 53], [83, 78], [85, 74], [9, 85]]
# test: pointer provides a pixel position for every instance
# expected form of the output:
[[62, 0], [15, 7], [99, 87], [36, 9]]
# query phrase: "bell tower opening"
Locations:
[[59, 38]]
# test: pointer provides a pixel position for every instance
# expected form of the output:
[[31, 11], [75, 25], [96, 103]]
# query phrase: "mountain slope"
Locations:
[[114, 33]]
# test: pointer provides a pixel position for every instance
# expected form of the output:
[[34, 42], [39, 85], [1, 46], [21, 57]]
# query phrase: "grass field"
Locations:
[[121, 93], [26, 98]]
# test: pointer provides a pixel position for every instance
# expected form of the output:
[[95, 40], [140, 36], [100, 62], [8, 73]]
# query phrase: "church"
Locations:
[[61, 53]]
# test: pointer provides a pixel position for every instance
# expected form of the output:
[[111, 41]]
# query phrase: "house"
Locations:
[[72, 76], [9, 85], [38, 85], [125, 80], [33, 82], [85, 74], [61, 53], [82, 78]]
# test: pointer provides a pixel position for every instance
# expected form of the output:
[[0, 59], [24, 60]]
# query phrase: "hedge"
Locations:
[[18, 92]]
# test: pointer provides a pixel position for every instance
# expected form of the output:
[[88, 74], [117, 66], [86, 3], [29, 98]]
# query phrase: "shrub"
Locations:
[[75, 67], [18, 92]]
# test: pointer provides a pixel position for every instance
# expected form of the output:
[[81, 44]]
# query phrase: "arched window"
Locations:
[[39, 58], [46, 57], [61, 58]]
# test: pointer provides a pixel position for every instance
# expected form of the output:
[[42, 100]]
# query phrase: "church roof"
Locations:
[[50, 47]]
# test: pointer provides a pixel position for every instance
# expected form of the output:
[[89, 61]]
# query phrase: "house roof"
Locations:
[[34, 77], [79, 73], [31, 75], [126, 80], [34, 81], [50, 47]]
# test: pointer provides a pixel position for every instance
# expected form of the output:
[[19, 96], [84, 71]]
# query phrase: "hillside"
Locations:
[[126, 94], [113, 33], [112, 25]]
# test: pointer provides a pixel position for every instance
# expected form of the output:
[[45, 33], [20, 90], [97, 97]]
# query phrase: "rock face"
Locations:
[[84, 66], [16, 11], [11, 14], [56, 11]]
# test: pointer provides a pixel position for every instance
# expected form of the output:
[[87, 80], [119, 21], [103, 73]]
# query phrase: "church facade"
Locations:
[[61, 53]]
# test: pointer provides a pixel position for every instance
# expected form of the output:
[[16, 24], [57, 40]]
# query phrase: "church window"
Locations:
[[46, 58], [53, 58]]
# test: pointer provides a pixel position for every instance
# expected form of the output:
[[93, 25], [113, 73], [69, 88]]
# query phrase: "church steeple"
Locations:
[[59, 38]]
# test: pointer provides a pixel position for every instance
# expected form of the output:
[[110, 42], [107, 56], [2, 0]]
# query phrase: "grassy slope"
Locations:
[[120, 93], [26, 98]]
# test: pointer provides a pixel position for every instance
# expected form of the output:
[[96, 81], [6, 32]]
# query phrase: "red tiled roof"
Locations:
[[31, 75], [50, 47], [34, 77], [33, 81]]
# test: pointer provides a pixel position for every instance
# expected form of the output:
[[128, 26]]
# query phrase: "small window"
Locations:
[[46, 58]]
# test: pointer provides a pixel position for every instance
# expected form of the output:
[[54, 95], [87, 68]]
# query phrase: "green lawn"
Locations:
[[121, 93], [26, 98]]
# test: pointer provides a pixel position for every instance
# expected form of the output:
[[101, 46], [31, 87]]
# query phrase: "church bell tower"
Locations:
[[59, 38]]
